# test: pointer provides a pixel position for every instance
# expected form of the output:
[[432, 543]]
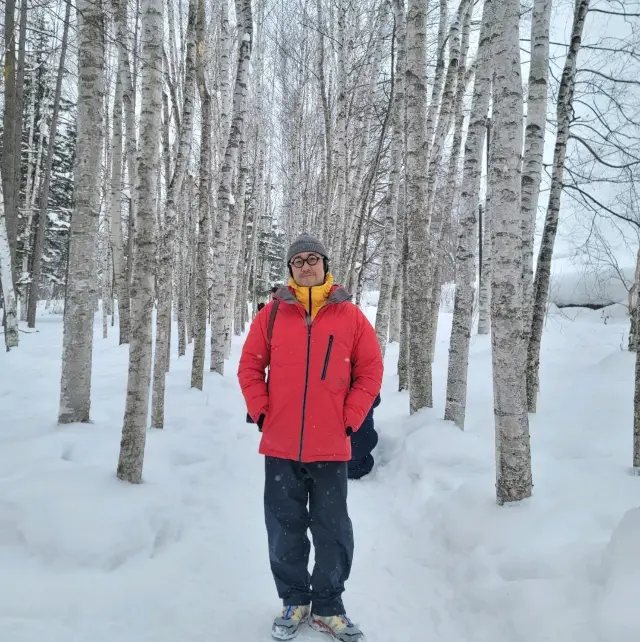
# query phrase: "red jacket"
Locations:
[[324, 376]]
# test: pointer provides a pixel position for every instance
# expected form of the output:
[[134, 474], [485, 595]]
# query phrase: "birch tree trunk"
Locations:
[[455, 407], [389, 256], [403, 352], [328, 132], [438, 80], [128, 102], [183, 253], [340, 142], [534, 141], [134, 428], [10, 156], [218, 336], [81, 290], [166, 256], [199, 296], [442, 212], [634, 302], [225, 52], [117, 246], [513, 453], [636, 396], [236, 226], [564, 114], [397, 294], [419, 267], [11, 333], [484, 279]]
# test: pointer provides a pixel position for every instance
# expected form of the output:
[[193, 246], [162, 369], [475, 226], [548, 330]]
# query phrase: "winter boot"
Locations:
[[286, 626], [339, 627]]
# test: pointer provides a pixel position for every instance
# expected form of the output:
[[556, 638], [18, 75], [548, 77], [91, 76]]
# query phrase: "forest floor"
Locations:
[[183, 556]]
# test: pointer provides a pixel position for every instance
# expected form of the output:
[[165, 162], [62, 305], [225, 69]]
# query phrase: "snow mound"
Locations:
[[580, 286], [94, 522], [618, 607]]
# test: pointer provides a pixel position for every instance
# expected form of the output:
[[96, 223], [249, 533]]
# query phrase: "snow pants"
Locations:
[[300, 497]]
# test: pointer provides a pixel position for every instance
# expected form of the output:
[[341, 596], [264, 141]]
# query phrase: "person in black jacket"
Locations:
[[362, 443]]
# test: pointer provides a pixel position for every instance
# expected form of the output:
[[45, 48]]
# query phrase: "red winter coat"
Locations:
[[324, 376]]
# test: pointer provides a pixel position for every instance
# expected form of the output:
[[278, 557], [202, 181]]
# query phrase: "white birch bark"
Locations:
[[236, 226], [182, 276], [77, 343], [167, 245], [419, 267], [438, 80], [484, 264], [451, 112], [117, 244], [396, 295], [456, 402], [513, 453], [134, 428], [564, 114], [199, 281], [218, 336], [403, 352], [225, 53], [328, 131], [340, 143], [389, 244], [11, 332], [636, 395], [128, 102], [534, 141]]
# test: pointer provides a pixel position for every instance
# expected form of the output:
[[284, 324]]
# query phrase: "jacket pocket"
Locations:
[[327, 356]]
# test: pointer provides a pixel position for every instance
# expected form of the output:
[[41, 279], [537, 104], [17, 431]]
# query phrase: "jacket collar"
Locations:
[[337, 294]]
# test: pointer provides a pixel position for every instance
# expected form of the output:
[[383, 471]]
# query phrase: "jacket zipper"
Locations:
[[306, 376], [326, 358]]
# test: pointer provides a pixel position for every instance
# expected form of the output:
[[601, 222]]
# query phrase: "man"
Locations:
[[325, 371]]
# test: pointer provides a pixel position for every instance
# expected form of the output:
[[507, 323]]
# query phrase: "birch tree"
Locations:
[[142, 286], [11, 334], [534, 141], [455, 408], [513, 454], [389, 254], [636, 399], [167, 245], [543, 267], [416, 205], [200, 300], [81, 292], [117, 244], [225, 201], [128, 103]]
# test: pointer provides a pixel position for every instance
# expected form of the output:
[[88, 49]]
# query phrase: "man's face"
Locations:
[[305, 274]]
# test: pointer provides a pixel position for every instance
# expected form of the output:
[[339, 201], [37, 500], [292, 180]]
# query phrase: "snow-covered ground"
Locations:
[[84, 557]]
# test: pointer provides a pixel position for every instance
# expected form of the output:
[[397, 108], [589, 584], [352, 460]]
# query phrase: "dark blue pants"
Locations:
[[300, 497]]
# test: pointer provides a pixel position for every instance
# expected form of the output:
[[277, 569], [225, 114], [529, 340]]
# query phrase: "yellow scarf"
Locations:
[[316, 296]]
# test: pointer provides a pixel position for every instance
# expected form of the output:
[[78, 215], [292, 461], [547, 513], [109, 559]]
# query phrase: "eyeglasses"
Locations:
[[311, 260]]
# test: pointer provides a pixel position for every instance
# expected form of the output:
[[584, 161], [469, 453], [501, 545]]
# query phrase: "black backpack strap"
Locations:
[[272, 320]]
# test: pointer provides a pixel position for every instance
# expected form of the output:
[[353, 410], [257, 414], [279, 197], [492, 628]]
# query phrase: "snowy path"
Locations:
[[183, 557]]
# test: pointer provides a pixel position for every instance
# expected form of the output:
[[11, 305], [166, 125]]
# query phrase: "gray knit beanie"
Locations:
[[306, 243]]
